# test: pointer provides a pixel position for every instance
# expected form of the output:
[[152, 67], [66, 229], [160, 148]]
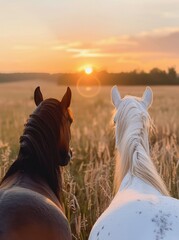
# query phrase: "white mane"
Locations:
[[132, 124]]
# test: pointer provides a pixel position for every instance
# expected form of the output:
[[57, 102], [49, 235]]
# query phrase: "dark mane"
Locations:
[[39, 145]]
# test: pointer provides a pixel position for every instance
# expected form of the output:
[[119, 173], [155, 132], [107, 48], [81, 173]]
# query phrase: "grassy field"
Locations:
[[88, 179]]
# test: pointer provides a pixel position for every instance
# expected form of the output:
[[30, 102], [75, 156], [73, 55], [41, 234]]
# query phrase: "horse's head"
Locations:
[[130, 110], [61, 117], [132, 122], [44, 144]]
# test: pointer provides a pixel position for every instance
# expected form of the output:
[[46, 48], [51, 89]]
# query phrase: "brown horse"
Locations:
[[30, 205]]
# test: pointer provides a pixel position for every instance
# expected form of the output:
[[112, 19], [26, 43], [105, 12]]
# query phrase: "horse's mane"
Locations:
[[39, 151], [132, 126]]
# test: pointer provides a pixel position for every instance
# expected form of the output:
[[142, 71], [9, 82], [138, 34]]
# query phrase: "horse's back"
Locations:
[[143, 217], [25, 214]]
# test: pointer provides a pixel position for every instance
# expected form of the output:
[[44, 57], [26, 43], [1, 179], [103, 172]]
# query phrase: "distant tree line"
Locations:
[[13, 77], [154, 77]]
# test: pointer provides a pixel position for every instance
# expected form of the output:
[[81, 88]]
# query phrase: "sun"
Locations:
[[88, 70]]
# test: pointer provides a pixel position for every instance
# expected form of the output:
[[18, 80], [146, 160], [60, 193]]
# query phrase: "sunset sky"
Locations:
[[65, 35]]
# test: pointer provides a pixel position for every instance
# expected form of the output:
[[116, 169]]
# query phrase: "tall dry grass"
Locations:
[[88, 180]]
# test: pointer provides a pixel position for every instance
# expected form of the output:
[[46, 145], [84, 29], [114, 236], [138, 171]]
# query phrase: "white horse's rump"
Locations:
[[138, 213], [142, 208]]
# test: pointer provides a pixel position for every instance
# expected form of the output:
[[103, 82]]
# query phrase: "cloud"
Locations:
[[169, 15], [64, 45], [159, 47], [80, 49], [165, 41], [159, 42], [88, 53], [121, 40]]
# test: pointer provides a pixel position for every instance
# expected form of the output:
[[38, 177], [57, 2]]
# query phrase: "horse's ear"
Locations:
[[38, 98], [147, 97], [66, 100], [116, 97]]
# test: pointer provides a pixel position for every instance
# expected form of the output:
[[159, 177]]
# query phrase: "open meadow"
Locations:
[[88, 179]]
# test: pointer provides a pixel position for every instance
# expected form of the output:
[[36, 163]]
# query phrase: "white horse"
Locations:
[[142, 208]]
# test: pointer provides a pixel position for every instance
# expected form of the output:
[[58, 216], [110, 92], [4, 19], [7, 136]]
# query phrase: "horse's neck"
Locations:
[[37, 185], [138, 185]]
